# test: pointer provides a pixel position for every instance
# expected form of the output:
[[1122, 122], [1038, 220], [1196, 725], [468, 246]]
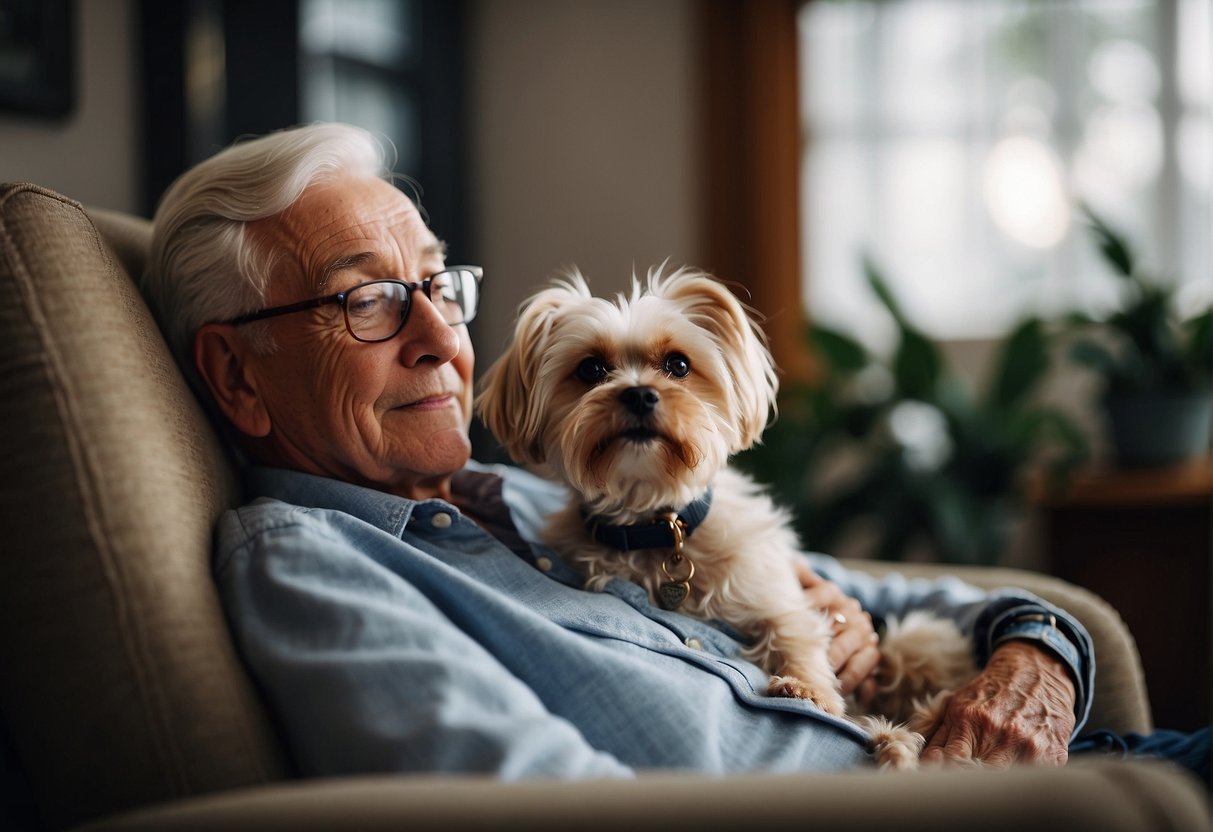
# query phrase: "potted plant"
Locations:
[[1155, 360], [925, 460]]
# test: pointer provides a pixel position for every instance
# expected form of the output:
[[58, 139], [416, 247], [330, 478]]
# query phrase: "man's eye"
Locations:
[[677, 365], [363, 307], [592, 370], [369, 301]]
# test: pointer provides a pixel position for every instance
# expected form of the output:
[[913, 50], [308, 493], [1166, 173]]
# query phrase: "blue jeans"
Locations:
[[1189, 750]]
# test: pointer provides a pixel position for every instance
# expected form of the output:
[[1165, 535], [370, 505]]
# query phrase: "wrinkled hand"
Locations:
[[854, 653], [1019, 709]]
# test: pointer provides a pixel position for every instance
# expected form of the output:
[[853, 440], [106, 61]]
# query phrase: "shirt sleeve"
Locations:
[[365, 674], [983, 616]]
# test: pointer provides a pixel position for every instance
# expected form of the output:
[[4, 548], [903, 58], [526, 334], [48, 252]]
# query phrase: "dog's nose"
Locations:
[[640, 400]]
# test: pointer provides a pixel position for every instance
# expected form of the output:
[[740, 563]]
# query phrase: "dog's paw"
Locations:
[[894, 747], [828, 699], [897, 753]]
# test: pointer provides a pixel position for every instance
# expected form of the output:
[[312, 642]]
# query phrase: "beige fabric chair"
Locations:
[[123, 704]]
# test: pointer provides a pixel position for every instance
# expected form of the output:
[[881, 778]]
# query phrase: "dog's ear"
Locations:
[[711, 306], [508, 402]]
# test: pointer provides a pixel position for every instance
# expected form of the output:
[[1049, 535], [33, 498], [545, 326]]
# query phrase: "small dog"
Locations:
[[637, 406]]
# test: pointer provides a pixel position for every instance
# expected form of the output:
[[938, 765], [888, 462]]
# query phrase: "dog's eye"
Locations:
[[592, 370], [677, 365]]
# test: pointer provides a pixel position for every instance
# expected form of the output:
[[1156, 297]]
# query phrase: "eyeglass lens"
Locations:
[[376, 311]]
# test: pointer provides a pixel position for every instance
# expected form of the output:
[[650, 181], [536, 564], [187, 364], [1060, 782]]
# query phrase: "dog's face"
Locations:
[[635, 404]]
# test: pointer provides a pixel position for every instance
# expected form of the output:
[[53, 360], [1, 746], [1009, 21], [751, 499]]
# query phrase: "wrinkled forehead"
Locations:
[[341, 221]]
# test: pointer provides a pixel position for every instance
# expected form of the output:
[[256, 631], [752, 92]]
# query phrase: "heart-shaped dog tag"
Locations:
[[673, 593]]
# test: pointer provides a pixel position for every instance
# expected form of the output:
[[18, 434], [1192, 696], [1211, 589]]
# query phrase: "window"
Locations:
[[396, 68], [216, 70], [357, 60], [953, 139]]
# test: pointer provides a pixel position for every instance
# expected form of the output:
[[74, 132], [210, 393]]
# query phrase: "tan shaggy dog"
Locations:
[[637, 406]]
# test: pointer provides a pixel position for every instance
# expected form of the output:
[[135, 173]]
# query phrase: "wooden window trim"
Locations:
[[752, 151]]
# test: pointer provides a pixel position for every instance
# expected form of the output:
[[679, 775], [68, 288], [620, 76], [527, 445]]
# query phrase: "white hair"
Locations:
[[203, 265]]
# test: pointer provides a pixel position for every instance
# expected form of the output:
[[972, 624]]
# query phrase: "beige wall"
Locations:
[[584, 122], [89, 156]]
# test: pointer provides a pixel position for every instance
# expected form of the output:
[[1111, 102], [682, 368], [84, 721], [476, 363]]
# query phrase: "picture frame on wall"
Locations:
[[36, 60]]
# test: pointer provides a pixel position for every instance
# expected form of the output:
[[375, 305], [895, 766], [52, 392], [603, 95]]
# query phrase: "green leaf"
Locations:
[[917, 366], [1111, 244], [1093, 355], [1078, 320], [951, 519], [1199, 352], [1023, 362], [1048, 425], [880, 286], [840, 351], [834, 512]]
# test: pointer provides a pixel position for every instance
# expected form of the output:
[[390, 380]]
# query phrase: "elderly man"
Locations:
[[389, 595]]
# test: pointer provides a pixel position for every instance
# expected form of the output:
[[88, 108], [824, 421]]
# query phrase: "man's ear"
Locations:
[[221, 356]]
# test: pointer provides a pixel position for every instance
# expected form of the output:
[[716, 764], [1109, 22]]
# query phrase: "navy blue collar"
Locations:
[[657, 535]]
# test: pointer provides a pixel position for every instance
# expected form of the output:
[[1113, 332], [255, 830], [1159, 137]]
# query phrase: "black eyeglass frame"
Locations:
[[340, 299]]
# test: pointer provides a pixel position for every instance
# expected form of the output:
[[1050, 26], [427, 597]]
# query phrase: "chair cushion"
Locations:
[[120, 685]]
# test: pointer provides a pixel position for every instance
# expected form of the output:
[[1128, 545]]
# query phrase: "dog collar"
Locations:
[[658, 535]]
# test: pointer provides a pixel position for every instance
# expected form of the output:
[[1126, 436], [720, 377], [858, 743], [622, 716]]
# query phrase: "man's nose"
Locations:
[[427, 337]]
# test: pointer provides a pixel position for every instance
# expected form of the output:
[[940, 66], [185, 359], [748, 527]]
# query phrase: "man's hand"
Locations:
[[854, 652], [1019, 709]]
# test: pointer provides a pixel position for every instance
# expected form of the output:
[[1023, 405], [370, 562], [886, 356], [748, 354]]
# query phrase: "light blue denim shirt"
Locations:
[[395, 635]]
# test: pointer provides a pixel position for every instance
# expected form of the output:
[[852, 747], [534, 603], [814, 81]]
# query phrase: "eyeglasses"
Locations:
[[377, 310]]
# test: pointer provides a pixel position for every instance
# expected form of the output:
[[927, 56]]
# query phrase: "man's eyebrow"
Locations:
[[353, 261], [349, 261]]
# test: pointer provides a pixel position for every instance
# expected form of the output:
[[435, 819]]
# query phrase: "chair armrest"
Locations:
[[1102, 795], [1121, 702]]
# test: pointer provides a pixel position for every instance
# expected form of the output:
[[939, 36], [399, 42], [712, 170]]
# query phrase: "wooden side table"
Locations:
[[1142, 539]]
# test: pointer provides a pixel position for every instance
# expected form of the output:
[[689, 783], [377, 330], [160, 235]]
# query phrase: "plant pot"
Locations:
[[1159, 427]]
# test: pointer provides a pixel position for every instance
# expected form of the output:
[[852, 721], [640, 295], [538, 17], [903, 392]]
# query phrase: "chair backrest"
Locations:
[[119, 684]]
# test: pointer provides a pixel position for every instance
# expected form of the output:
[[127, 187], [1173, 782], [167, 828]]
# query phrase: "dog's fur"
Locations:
[[625, 467]]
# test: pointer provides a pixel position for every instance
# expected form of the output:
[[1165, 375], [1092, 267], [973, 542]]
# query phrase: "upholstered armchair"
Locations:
[[124, 705]]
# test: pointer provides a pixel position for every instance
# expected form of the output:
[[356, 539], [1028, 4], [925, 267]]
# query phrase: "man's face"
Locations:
[[391, 415]]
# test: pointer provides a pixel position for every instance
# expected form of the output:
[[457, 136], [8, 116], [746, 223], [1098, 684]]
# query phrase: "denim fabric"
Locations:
[[1193, 751], [393, 635]]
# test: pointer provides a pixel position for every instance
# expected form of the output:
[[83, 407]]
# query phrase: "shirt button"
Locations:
[[544, 564], [441, 520], [694, 643]]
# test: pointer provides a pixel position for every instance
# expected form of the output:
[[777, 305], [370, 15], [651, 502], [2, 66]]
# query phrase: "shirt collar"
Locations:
[[479, 487], [380, 509]]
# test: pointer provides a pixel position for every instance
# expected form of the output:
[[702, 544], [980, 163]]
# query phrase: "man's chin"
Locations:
[[421, 472], [445, 450]]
